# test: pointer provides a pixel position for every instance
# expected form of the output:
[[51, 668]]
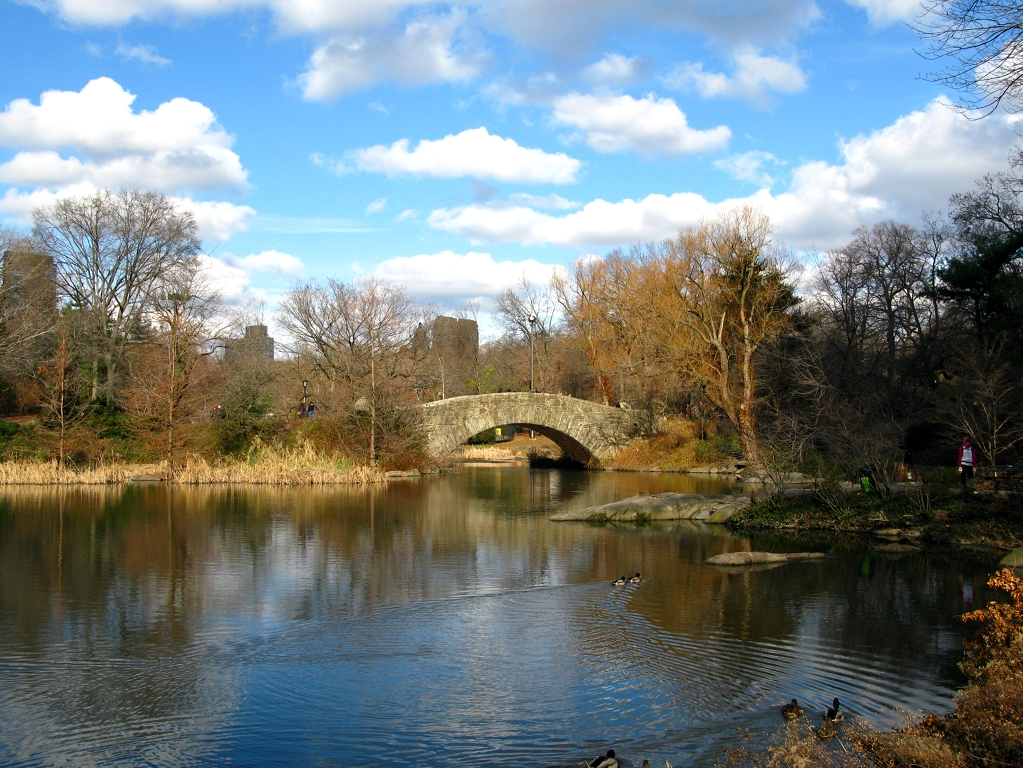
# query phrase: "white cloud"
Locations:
[[75, 142], [407, 214], [573, 26], [337, 167], [451, 279], [143, 53], [614, 69], [650, 126], [376, 206], [232, 281], [418, 54], [537, 23], [749, 166], [753, 78], [884, 12], [547, 202], [215, 220], [267, 261], [376, 106], [176, 146], [475, 153], [910, 166]]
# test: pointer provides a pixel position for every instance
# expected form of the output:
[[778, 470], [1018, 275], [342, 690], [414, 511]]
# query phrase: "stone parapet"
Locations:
[[590, 432]]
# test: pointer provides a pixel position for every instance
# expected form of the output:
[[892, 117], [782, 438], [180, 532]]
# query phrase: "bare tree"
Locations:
[[62, 382], [323, 320], [984, 40], [585, 298], [530, 313], [359, 336], [110, 251], [28, 311], [982, 400], [168, 384]]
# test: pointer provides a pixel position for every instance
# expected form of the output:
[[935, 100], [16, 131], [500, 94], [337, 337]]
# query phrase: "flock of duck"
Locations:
[[623, 580], [790, 711], [832, 715]]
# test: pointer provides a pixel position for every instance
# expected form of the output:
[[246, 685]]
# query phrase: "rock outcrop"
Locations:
[[1014, 559], [758, 558], [709, 508]]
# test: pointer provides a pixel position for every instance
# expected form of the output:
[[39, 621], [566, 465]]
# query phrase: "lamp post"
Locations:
[[305, 393], [532, 332]]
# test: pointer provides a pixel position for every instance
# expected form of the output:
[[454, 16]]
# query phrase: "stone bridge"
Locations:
[[589, 432]]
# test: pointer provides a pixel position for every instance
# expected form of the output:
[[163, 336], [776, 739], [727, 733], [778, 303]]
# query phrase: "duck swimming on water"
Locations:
[[792, 710], [620, 581], [832, 714], [603, 761], [635, 579]]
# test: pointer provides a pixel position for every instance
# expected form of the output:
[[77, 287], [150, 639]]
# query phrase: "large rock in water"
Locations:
[[1014, 559], [757, 558], [709, 508]]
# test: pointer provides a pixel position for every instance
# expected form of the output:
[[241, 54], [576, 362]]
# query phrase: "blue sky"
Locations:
[[456, 146]]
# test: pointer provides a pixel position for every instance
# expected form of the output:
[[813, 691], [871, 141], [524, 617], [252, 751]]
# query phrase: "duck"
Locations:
[[603, 761], [792, 710], [635, 579], [827, 731], [832, 713], [620, 581]]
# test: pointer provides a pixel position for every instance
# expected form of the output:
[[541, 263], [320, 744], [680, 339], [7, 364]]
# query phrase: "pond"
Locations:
[[441, 621]]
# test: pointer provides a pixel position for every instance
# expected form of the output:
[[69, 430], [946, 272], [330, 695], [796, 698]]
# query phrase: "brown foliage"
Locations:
[[690, 313]]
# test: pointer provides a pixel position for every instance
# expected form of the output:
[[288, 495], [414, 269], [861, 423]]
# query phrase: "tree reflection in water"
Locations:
[[444, 616]]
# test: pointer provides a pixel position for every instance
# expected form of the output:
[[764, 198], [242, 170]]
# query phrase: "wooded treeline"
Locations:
[[902, 341]]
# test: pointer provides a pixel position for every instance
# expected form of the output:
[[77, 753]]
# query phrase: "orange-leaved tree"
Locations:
[[732, 289]]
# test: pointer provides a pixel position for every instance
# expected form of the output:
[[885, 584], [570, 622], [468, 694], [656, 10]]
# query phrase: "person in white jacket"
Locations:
[[967, 461]]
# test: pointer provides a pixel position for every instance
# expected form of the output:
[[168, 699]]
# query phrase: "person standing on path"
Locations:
[[967, 461]]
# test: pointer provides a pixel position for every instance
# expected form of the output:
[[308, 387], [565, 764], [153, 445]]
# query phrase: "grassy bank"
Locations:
[[971, 520], [680, 445], [263, 466]]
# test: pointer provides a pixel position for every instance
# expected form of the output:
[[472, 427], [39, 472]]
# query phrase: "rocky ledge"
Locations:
[[760, 558], [710, 508]]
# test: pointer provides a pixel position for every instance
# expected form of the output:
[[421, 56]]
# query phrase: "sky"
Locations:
[[455, 147]]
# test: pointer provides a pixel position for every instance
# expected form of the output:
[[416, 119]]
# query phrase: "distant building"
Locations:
[[456, 337], [455, 344], [257, 342]]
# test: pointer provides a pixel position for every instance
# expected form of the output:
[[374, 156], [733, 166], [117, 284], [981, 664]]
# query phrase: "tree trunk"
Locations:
[[372, 410], [108, 358]]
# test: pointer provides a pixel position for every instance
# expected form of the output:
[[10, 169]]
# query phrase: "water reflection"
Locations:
[[442, 620]]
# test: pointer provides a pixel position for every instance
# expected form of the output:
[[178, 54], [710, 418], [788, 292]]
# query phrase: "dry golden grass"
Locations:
[[264, 466], [673, 449], [47, 473], [484, 453]]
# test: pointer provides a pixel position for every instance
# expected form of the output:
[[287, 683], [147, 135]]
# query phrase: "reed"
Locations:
[[48, 473], [484, 453], [267, 465], [264, 465]]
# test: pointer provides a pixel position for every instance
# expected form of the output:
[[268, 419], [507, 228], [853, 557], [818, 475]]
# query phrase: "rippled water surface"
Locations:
[[442, 621]]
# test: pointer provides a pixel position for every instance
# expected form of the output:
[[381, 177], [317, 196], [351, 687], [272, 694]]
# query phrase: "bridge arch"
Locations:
[[589, 432]]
